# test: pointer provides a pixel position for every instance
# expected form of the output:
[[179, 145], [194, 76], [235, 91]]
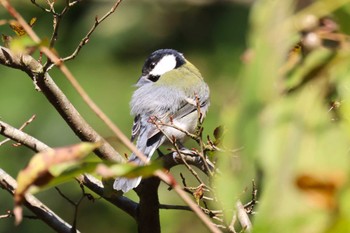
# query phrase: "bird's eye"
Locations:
[[152, 65], [154, 78]]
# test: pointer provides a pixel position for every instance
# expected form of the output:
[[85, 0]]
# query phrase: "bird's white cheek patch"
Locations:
[[166, 64]]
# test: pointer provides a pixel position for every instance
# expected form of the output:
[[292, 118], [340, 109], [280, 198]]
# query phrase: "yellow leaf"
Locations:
[[32, 21], [17, 28]]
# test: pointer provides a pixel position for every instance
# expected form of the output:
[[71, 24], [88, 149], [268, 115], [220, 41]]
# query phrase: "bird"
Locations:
[[170, 90]]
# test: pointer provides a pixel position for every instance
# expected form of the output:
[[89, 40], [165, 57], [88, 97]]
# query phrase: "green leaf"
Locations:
[[21, 44], [66, 172], [128, 170]]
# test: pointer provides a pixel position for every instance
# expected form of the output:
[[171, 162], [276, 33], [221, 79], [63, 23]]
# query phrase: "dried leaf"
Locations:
[[32, 21], [44, 166], [17, 28], [198, 194], [218, 132], [321, 191]]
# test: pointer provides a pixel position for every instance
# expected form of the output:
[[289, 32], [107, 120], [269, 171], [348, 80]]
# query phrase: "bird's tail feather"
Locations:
[[125, 184]]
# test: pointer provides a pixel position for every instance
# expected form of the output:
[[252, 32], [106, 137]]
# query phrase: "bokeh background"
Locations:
[[285, 111]]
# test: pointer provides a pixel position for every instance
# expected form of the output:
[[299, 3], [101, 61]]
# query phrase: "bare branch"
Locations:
[[92, 183], [128, 206], [41, 7], [249, 207], [86, 39], [173, 159], [20, 128], [57, 18], [74, 204], [36, 206], [174, 207], [57, 98], [243, 217], [159, 123], [21, 137]]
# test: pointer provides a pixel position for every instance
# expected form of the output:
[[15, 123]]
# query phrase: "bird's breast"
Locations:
[[177, 127]]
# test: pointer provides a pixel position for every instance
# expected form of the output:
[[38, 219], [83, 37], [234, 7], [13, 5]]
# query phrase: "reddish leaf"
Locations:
[[198, 194], [41, 168]]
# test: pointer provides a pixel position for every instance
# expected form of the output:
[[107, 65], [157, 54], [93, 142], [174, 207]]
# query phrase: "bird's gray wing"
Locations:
[[188, 106], [135, 131]]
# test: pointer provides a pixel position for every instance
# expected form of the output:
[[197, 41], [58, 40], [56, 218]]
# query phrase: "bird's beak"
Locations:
[[142, 80]]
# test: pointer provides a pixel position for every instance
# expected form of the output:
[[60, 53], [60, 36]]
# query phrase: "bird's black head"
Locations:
[[160, 62]]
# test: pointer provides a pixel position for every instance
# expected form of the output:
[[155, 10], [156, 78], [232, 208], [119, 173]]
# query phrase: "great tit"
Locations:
[[169, 91]]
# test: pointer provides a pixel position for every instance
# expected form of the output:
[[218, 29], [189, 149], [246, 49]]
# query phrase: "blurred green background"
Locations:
[[291, 124], [211, 35]]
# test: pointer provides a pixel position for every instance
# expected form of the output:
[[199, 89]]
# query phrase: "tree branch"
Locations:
[[123, 203], [174, 207], [57, 98], [173, 159], [21, 137], [86, 39], [89, 181], [243, 217], [36, 206], [148, 211], [20, 128]]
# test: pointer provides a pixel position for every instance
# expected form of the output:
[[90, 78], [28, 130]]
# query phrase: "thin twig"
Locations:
[[65, 197], [158, 123], [249, 207], [183, 180], [200, 140], [21, 137], [36, 206], [193, 136], [128, 206], [74, 204], [20, 128], [60, 101], [50, 10], [197, 137], [57, 18], [243, 217], [89, 181], [7, 215], [214, 214], [174, 207], [86, 39], [231, 227], [194, 173]]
